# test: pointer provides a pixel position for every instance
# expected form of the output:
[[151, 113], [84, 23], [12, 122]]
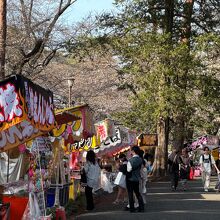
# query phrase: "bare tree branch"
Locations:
[[30, 11], [56, 17], [26, 19], [36, 35]]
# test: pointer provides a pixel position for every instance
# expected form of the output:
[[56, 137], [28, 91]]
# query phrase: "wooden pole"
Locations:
[[3, 28], [8, 167]]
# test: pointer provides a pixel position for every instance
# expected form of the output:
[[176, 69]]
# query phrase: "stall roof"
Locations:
[[65, 117]]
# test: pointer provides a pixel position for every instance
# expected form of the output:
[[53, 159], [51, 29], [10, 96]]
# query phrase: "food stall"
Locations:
[[115, 139], [74, 137], [26, 112]]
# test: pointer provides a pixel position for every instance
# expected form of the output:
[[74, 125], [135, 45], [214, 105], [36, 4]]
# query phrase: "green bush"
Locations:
[[52, 211], [71, 208]]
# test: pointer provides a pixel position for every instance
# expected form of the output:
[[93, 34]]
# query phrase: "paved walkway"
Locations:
[[162, 204]]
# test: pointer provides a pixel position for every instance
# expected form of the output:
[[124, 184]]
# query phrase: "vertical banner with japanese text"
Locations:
[[26, 111]]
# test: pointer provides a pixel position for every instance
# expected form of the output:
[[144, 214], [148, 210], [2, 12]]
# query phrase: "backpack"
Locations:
[[210, 160], [203, 158]]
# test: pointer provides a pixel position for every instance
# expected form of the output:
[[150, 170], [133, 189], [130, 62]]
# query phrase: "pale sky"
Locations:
[[82, 8]]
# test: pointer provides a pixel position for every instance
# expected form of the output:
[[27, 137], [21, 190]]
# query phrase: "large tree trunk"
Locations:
[[179, 132], [2, 37], [161, 152], [180, 120], [160, 159]]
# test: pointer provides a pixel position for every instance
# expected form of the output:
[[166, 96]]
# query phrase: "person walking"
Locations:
[[92, 171], [144, 173], [217, 162], [122, 183], [143, 180], [206, 161], [133, 177], [185, 164], [173, 167]]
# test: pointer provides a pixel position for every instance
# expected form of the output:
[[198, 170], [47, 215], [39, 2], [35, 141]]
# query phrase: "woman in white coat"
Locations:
[[92, 171]]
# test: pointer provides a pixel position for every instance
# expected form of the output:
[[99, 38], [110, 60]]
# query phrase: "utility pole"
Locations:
[[70, 82], [2, 52], [3, 27], [2, 60]]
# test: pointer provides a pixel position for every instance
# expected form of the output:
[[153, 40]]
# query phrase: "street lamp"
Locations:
[[70, 82]]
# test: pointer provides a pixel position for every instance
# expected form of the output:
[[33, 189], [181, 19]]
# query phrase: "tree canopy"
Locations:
[[166, 51]]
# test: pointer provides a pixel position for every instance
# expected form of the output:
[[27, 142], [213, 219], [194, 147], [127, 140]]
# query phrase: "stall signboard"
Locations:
[[102, 131], [81, 128], [124, 133], [77, 135], [148, 140], [17, 135], [110, 142], [122, 139], [26, 111], [212, 141], [84, 144], [105, 129], [197, 143], [215, 153], [132, 138]]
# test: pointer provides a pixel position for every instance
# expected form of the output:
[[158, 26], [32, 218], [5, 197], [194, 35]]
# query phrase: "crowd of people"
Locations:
[[131, 179], [132, 175], [180, 165]]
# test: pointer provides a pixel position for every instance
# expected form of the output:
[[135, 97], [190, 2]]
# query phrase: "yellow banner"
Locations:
[[17, 135]]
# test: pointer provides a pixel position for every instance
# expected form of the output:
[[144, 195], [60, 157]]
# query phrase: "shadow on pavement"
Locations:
[[162, 204]]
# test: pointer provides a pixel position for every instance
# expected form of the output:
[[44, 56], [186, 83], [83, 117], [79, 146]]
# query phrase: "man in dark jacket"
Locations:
[[217, 162], [133, 178], [174, 161]]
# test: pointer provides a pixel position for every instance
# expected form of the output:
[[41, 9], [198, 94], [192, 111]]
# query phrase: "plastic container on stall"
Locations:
[[17, 206], [63, 194], [50, 197], [60, 214]]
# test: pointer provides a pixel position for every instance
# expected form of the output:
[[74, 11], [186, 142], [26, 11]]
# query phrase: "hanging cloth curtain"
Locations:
[[15, 168]]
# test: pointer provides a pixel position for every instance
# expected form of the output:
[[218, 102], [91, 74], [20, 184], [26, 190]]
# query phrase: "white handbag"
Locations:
[[120, 180]]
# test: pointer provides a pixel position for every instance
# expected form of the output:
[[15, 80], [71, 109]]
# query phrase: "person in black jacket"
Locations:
[[133, 168], [185, 165], [217, 162], [174, 161]]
